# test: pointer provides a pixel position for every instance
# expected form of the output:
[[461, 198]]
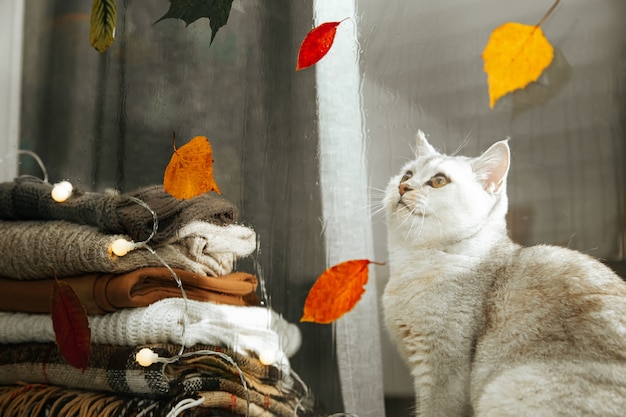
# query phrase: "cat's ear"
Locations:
[[422, 147], [492, 167]]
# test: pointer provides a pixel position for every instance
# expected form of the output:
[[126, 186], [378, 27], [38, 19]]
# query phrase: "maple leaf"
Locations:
[[316, 44], [336, 291], [516, 55], [71, 325], [217, 11], [102, 24], [190, 170]]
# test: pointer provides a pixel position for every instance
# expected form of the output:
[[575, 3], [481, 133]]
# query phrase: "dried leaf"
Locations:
[[515, 55], [336, 291], [217, 11], [102, 31], [316, 44], [71, 326], [190, 170]]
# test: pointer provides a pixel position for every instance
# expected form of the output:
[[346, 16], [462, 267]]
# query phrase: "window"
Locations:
[[299, 153]]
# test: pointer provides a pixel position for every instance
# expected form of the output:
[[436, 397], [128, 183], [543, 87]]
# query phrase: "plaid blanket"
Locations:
[[114, 375], [48, 400]]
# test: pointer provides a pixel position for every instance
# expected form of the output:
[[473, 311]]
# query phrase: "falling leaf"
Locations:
[[190, 171], [336, 291], [515, 55], [71, 326], [217, 11], [102, 31], [316, 44]]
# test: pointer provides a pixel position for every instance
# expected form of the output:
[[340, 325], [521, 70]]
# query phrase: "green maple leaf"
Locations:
[[217, 11]]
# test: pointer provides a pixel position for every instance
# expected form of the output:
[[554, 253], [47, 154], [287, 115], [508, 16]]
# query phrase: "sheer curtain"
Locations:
[[12, 20], [344, 188]]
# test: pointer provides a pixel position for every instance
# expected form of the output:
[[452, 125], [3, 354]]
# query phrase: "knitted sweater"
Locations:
[[43, 249], [29, 198], [247, 330]]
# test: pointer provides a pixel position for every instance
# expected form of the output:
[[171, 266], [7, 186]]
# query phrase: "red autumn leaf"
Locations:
[[190, 170], [336, 291], [71, 326], [316, 44]]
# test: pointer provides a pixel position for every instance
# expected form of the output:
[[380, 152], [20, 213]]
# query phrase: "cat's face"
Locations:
[[437, 200]]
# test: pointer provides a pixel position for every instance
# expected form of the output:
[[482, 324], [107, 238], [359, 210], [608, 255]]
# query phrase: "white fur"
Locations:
[[489, 328]]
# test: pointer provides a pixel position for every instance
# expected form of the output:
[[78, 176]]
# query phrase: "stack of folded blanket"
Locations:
[[223, 353]]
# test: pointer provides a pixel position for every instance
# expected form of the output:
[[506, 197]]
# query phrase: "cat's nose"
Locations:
[[403, 188]]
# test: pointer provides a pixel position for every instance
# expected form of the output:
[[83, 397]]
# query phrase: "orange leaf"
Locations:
[[515, 55], [336, 291], [190, 170], [316, 44], [71, 326]]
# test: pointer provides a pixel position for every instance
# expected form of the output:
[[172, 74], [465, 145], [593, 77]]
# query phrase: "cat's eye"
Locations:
[[406, 176], [438, 181]]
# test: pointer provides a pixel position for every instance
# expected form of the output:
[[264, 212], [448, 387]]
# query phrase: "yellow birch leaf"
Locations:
[[515, 55], [102, 30]]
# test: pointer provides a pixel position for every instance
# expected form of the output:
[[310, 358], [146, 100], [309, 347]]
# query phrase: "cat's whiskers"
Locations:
[[463, 144], [377, 201], [378, 210], [409, 233], [406, 217], [416, 213], [415, 220]]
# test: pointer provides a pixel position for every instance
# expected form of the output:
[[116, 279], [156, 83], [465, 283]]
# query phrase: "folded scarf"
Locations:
[[42, 249], [105, 293], [204, 372], [257, 331], [29, 198]]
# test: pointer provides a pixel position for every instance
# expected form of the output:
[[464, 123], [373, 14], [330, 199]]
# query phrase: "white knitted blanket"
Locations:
[[247, 330], [40, 249]]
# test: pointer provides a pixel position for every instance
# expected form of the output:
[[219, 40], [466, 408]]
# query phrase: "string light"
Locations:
[[121, 247], [146, 357], [62, 191], [267, 358]]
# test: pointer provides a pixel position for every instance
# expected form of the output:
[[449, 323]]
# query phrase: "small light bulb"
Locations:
[[146, 357], [267, 358], [62, 191], [121, 247]]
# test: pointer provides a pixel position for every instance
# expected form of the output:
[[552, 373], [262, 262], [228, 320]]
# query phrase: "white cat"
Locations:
[[487, 327]]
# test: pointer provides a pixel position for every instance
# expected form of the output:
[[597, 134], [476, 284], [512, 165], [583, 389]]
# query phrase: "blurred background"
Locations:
[[305, 155]]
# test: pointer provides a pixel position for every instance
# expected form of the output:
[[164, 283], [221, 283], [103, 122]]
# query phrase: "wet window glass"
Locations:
[[304, 155]]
